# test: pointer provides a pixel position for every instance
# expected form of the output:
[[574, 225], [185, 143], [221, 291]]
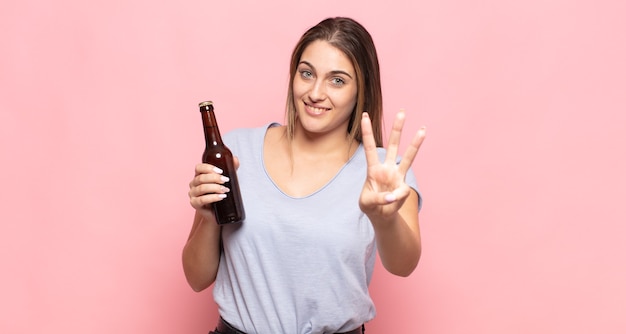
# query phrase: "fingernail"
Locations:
[[221, 195], [225, 178], [218, 170], [390, 197], [225, 189]]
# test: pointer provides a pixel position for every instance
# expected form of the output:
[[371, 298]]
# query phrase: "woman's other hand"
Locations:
[[207, 186]]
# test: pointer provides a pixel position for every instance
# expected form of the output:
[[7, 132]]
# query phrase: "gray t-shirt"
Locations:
[[296, 265]]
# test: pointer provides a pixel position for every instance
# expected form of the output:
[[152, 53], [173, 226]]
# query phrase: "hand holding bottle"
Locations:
[[225, 197], [207, 186]]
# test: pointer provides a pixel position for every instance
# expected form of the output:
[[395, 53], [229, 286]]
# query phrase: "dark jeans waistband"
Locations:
[[224, 327]]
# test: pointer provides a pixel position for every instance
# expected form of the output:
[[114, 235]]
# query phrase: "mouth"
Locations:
[[315, 110]]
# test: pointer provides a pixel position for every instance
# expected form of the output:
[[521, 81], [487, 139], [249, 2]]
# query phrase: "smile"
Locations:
[[315, 110]]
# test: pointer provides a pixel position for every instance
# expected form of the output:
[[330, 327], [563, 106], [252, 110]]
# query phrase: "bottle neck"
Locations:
[[211, 131]]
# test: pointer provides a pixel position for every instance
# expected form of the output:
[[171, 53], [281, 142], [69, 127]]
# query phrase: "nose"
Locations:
[[318, 91]]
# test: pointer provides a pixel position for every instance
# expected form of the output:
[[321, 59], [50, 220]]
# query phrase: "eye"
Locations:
[[337, 81], [306, 74]]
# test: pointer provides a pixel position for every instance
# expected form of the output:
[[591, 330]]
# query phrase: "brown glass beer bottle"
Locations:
[[229, 209]]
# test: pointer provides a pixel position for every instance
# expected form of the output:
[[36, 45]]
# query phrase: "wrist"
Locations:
[[379, 220]]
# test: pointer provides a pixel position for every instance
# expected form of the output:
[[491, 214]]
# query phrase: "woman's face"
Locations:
[[324, 89]]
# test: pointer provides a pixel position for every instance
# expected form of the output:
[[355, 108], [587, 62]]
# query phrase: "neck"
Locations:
[[324, 145]]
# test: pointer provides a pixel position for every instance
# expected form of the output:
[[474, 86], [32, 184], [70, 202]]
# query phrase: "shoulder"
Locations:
[[275, 132]]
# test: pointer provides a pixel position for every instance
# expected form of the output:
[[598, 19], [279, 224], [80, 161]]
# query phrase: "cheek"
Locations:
[[347, 100], [298, 87]]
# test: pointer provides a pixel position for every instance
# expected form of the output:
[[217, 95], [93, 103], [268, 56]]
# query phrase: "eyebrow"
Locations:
[[335, 72]]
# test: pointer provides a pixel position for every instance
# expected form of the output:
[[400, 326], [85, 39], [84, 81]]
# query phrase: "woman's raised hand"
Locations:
[[385, 190]]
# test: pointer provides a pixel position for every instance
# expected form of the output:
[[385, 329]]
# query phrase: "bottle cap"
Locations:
[[205, 103]]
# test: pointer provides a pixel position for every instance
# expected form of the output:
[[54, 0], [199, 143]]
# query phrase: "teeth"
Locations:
[[317, 111]]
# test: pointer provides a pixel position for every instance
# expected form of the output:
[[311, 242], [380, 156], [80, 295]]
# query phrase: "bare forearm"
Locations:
[[398, 238], [399, 246], [201, 253]]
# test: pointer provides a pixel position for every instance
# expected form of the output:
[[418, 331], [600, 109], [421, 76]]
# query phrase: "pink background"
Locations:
[[522, 170]]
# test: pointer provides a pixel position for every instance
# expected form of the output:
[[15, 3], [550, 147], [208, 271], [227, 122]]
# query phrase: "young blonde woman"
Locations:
[[321, 197]]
